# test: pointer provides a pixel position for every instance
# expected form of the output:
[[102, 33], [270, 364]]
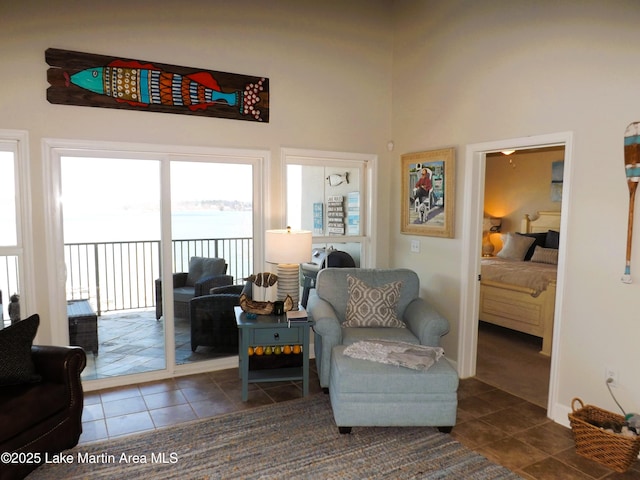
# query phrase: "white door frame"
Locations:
[[474, 168]]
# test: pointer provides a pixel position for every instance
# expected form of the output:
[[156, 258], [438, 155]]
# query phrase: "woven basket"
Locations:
[[610, 449]]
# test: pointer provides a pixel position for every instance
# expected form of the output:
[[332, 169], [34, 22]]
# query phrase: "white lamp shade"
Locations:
[[287, 246]]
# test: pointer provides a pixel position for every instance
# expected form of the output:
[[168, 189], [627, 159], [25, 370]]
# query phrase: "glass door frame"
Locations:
[[53, 151]]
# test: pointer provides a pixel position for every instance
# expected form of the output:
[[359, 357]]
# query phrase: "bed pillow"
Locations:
[[515, 246], [545, 255], [372, 306], [16, 365], [539, 239], [552, 240]]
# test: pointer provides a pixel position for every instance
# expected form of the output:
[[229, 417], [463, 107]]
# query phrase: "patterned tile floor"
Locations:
[[132, 342]]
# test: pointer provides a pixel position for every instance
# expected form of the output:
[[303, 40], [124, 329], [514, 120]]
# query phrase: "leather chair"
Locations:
[[46, 416], [204, 274], [213, 320]]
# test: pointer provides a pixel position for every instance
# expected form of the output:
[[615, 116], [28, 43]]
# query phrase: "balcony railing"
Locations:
[[121, 275]]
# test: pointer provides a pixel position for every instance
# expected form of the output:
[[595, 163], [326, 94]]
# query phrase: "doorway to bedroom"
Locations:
[[511, 352], [473, 214]]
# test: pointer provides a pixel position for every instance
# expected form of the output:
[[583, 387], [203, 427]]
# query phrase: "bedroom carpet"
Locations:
[[296, 439], [511, 361]]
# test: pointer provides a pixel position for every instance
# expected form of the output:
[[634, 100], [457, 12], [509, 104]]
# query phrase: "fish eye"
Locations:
[[95, 74]]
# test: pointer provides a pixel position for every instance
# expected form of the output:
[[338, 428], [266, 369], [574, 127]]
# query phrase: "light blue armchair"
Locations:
[[328, 304]]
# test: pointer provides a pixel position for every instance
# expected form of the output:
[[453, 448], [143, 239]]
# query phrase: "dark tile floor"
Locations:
[[497, 416], [504, 428]]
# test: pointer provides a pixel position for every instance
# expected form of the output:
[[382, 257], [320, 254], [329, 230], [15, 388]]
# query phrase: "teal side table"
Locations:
[[271, 330]]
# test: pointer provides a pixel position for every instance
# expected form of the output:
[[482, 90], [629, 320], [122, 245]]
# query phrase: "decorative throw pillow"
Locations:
[[539, 240], [553, 239], [16, 365], [372, 306], [515, 246], [545, 255]]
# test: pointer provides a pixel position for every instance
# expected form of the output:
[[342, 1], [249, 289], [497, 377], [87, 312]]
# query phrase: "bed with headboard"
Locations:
[[518, 285]]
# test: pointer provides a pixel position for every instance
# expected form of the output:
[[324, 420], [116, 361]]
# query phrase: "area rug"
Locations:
[[297, 439]]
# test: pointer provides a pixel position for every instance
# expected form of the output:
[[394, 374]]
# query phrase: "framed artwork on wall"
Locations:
[[557, 172], [428, 196]]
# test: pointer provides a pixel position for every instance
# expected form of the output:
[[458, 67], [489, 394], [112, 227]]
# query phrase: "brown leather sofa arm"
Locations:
[[58, 364]]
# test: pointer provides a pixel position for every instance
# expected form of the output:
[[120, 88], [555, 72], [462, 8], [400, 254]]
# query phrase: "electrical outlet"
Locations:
[[611, 376], [415, 246]]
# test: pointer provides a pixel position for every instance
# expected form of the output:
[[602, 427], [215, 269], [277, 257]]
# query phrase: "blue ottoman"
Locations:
[[367, 394]]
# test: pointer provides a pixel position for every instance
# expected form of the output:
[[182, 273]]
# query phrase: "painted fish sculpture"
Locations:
[[139, 84], [264, 279], [262, 308], [336, 179]]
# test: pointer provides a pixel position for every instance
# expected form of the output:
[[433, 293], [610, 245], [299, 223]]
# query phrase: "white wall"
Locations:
[[329, 66], [469, 72]]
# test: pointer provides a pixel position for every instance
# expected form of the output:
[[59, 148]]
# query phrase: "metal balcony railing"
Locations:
[[121, 275]]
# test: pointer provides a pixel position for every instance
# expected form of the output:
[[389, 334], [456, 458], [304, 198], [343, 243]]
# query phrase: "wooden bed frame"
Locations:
[[512, 306]]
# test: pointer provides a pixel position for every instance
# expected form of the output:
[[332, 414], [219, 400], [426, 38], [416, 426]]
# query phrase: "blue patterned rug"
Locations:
[[297, 439]]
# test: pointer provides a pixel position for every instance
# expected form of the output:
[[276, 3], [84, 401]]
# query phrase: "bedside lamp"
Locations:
[[490, 225], [288, 249], [487, 246]]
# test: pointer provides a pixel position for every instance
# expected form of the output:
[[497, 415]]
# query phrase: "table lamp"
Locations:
[[288, 249]]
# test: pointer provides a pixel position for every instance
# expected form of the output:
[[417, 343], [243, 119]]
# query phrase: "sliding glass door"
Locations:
[[130, 223], [212, 245], [112, 224]]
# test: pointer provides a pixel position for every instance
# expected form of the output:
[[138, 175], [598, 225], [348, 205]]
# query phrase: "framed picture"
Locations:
[[428, 195]]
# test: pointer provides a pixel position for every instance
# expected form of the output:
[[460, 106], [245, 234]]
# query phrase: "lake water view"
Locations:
[[124, 269], [145, 225]]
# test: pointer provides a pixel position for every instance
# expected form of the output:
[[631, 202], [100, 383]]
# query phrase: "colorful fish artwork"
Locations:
[[94, 80]]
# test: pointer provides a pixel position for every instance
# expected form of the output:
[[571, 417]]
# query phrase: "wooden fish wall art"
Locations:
[[90, 80], [336, 179]]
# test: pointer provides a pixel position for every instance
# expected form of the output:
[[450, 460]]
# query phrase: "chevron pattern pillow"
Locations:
[[372, 306]]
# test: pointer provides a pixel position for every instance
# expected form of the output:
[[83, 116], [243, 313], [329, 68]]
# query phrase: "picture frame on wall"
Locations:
[[428, 193]]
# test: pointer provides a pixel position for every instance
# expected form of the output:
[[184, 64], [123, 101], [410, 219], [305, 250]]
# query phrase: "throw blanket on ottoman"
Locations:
[[403, 354]]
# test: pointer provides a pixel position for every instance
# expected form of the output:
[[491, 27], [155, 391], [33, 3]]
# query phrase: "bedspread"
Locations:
[[532, 275]]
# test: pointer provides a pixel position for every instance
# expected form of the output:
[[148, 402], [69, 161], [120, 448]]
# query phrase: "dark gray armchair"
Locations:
[[204, 274], [213, 320]]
